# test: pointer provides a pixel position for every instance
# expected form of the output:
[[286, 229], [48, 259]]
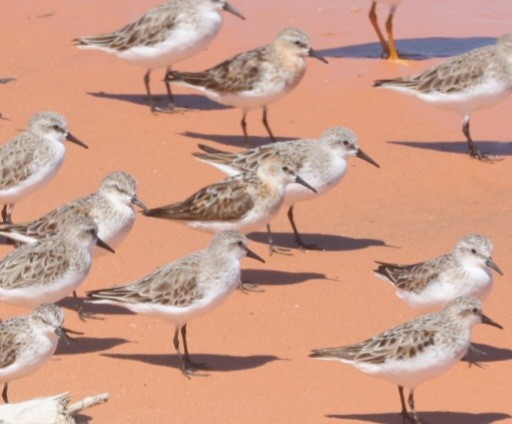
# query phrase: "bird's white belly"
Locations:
[[37, 294], [38, 179], [477, 282], [412, 372], [114, 231], [482, 96], [182, 43], [178, 315], [30, 359]]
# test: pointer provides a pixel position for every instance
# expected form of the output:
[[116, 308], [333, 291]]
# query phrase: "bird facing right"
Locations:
[[169, 33], [432, 284], [255, 78], [322, 163], [186, 288], [415, 351], [464, 84], [111, 208], [31, 159], [51, 268], [243, 202], [28, 342]]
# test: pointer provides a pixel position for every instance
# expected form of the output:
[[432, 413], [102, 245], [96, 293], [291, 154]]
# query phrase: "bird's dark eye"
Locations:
[[286, 169], [239, 243], [345, 142], [91, 231], [299, 43], [473, 251], [475, 310], [56, 128], [118, 188]]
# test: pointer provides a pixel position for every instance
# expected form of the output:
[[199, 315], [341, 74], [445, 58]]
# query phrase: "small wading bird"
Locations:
[[256, 78], [185, 289], [416, 351], [170, 33], [33, 158]]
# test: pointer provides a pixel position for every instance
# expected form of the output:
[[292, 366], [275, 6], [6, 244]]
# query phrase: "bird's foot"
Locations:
[[484, 157], [272, 248], [245, 287]]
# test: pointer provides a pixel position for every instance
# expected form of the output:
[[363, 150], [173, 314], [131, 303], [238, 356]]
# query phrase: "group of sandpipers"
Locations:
[[57, 249]]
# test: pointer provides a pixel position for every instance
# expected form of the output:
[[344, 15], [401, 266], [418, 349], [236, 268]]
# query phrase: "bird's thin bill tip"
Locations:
[[73, 139], [300, 181], [362, 155], [228, 8], [103, 245], [251, 254], [313, 53], [62, 334], [491, 264], [136, 201], [488, 321]]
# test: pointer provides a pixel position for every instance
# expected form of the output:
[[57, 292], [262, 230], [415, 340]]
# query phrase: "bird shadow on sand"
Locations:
[[265, 277], [412, 48], [326, 242], [186, 101], [83, 419], [213, 362], [7, 80], [493, 147], [89, 345], [438, 417], [489, 353], [95, 310], [235, 140]]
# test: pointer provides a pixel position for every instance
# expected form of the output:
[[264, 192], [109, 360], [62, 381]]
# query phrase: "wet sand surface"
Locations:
[[427, 194]]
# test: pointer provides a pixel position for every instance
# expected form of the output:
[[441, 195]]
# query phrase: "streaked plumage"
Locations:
[[33, 158], [255, 78], [28, 342], [186, 288], [322, 163], [51, 268], [111, 208], [464, 84], [243, 202], [169, 33], [464, 272], [415, 351]]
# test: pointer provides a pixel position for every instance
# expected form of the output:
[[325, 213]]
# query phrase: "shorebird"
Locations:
[[416, 351], [464, 84], [185, 289], [33, 158], [170, 33], [243, 202], [256, 78], [28, 342], [464, 272], [322, 163], [111, 208]]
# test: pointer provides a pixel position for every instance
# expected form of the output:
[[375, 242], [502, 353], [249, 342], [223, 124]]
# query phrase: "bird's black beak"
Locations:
[[300, 181], [104, 245], [62, 334], [490, 263], [316, 55], [251, 254], [228, 8], [136, 201], [362, 155], [73, 139], [486, 320]]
